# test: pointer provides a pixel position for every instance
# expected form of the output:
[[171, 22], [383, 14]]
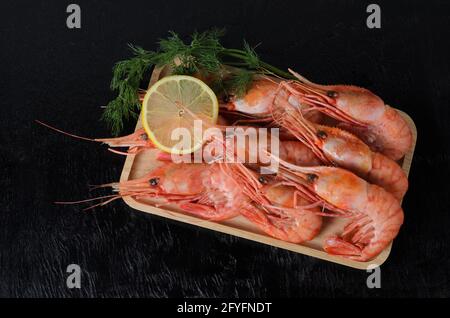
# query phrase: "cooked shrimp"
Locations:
[[253, 149], [291, 151], [297, 153], [376, 214], [137, 141], [338, 147], [298, 224], [203, 190], [281, 212], [359, 111], [257, 102]]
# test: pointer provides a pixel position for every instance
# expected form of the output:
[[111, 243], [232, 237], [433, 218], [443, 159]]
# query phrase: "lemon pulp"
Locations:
[[175, 102]]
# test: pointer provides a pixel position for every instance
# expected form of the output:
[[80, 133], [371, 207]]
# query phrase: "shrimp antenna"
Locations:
[[109, 198], [103, 203], [86, 200], [63, 132]]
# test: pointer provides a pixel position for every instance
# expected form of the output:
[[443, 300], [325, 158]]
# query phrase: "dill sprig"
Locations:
[[250, 57], [203, 55], [127, 76], [200, 55], [239, 82]]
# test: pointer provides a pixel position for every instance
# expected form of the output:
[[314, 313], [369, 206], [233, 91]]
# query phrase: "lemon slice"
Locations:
[[174, 103]]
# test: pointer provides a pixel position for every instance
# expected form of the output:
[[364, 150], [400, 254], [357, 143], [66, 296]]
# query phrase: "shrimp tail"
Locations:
[[388, 174], [265, 224], [337, 246]]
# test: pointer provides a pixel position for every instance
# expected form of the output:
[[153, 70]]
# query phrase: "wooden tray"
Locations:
[[137, 165]]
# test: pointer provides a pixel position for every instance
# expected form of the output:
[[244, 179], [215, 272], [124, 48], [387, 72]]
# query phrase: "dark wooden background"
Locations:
[[61, 76]]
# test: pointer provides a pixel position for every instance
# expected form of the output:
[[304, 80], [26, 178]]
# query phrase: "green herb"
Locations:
[[127, 76], [240, 82], [201, 55], [204, 55]]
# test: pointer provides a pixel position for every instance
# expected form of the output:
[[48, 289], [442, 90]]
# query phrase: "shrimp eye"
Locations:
[[262, 180], [154, 181], [312, 177], [143, 136], [226, 98], [321, 134], [332, 94]]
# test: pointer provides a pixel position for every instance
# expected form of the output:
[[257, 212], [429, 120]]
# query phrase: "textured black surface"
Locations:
[[61, 76]]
